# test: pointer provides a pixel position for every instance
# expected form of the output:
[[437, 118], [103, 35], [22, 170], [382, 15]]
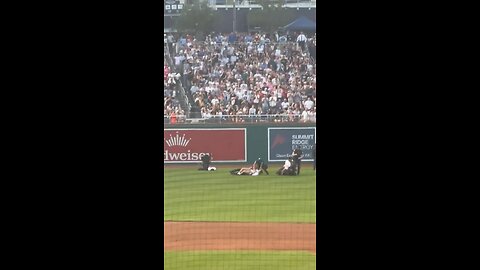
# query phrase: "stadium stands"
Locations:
[[245, 77]]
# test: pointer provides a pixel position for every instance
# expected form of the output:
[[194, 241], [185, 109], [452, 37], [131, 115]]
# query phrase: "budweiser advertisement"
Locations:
[[189, 145]]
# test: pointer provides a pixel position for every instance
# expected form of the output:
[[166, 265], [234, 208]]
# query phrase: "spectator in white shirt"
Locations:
[[179, 59], [252, 111], [311, 116], [304, 116], [193, 89], [308, 104], [301, 40], [273, 101]]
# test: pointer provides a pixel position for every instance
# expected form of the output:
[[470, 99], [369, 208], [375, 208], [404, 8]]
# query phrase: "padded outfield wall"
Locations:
[[236, 143]]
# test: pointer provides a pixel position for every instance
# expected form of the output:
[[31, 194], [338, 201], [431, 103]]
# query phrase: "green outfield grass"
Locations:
[[192, 195], [239, 260]]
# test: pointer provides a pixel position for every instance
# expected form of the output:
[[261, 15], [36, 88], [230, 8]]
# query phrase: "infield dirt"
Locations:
[[205, 236]]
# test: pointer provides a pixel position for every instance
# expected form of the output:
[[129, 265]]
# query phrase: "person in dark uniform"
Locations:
[[260, 165], [314, 155], [206, 159], [297, 156]]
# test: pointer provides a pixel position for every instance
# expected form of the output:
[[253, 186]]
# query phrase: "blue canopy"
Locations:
[[302, 23]]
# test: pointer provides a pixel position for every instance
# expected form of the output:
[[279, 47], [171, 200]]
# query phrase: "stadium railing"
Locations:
[[253, 119]]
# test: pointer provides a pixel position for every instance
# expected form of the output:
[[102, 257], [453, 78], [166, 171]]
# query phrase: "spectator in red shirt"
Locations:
[[166, 71], [173, 118]]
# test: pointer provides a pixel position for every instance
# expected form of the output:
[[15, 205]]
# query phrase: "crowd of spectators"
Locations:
[[171, 104], [245, 75]]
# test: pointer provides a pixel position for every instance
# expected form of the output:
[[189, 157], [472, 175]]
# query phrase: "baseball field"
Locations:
[[214, 220]]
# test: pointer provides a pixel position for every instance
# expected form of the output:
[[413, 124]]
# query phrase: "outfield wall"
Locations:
[[236, 143]]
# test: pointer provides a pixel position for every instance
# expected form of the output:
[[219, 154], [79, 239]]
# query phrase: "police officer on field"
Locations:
[[297, 156], [206, 159], [260, 165]]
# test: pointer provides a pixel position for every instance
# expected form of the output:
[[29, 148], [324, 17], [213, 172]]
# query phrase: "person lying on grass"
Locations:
[[246, 171], [257, 168]]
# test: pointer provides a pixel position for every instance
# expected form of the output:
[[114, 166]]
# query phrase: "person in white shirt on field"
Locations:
[[286, 168]]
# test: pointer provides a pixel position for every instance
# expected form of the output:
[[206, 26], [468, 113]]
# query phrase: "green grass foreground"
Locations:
[[239, 260], [192, 195]]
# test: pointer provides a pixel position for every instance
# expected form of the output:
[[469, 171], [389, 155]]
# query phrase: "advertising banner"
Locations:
[[189, 145], [282, 142]]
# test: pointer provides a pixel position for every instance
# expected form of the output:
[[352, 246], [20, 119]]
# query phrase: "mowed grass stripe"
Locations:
[[218, 196], [239, 260]]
